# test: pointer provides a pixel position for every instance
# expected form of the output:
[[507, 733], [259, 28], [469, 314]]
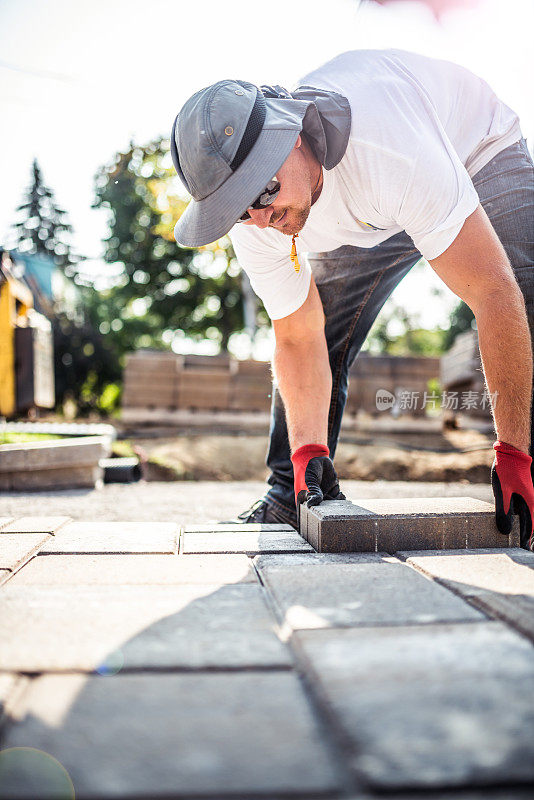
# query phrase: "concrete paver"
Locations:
[[145, 735], [516, 611], [36, 524], [105, 627], [325, 594], [128, 570], [404, 524], [249, 527], [339, 526], [298, 560], [250, 542], [500, 582], [15, 549], [428, 707], [114, 537]]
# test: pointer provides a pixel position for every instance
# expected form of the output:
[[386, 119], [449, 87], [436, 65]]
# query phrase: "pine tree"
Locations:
[[44, 227], [84, 361]]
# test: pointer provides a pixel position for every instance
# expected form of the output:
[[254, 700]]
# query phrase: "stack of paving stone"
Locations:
[[204, 382], [151, 380], [162, 384], [53, 464], [143, 660], [251, 386], [395, 374], [169, 381], [461, 371]]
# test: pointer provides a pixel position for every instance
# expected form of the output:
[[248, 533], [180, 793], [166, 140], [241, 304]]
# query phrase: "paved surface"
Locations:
[[144, 661]]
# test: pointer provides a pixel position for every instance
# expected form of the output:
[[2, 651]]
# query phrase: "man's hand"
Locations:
[[513, 489], [315, 476]]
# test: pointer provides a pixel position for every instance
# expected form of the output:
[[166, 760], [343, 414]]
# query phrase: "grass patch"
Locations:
[[12, 437], [122, 449], [171, 470]]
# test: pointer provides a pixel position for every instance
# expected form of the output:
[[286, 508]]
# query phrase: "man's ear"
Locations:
[[299, 141]]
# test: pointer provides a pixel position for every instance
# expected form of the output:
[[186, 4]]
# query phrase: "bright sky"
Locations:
[[79, 80]]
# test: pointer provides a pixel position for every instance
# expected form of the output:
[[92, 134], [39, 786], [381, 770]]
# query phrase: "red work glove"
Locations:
[[315, 476], [511, 481]]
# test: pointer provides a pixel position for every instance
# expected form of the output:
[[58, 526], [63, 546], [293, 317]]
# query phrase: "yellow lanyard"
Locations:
[[293, 256]]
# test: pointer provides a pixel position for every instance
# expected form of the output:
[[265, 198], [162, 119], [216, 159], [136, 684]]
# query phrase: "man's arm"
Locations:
[[302, 371], [476, 268]]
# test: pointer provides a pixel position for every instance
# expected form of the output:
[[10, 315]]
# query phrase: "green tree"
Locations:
[[411, 341], [461, 319], [43, 227], [165, 290], [86, 363], [418, 342]]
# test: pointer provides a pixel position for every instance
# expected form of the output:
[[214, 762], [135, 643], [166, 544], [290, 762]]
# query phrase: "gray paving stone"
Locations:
[[325, 594], [338, 526], [428, 707], [185, 735], [124, 570], [437, 523], [506, 570], [226, 527], [515, 611], [36, 525], [115, 537], [297, 560], [16, 549], [425, 523], [133, 627], [249, 542], [500, 582]]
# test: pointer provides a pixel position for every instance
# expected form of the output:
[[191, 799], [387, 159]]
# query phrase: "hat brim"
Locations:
[[204, 221]]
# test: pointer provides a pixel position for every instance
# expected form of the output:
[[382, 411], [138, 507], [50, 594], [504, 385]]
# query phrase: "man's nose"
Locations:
[[260, 216]]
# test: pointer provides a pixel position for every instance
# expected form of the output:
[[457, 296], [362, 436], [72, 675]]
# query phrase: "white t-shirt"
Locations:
[[421, 128]]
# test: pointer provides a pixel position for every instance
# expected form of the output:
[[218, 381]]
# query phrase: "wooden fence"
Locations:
[[155, 380]]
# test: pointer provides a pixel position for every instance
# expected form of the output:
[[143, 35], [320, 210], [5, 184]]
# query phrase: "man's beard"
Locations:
[[295, 220]]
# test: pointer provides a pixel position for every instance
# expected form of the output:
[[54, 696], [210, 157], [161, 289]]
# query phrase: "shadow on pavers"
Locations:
[[171, 713]]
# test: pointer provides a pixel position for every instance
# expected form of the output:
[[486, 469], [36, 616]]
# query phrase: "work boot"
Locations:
[[259, 511]]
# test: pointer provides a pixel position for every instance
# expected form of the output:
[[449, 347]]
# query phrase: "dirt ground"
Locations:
[[454, 455]]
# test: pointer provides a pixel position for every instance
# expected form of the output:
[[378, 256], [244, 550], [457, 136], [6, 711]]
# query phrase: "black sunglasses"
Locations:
[[268, 196]]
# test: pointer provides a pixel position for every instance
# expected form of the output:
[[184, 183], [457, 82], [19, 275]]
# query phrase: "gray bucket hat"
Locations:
[[229, 140]]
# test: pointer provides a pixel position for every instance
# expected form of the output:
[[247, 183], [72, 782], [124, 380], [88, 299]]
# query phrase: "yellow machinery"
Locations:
[[15, 302], [26, 352]]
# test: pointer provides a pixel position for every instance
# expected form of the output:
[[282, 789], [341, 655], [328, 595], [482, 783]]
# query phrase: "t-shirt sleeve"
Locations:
[[438, 198], [271, 270]]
